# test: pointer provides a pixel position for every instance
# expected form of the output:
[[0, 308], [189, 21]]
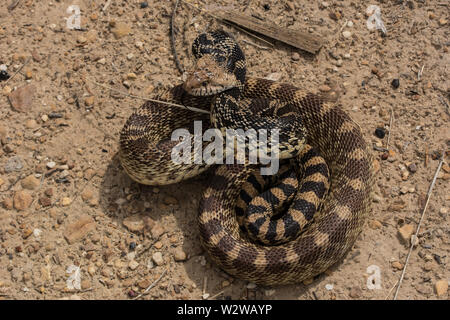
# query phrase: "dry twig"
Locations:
[[172, 38], [24, 64], [412, 243], [148, 99], [256, 45], [390, 128], [151, 286], [216, 295]]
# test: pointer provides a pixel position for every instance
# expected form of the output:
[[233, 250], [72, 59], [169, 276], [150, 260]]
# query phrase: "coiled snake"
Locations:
[[218, 84]]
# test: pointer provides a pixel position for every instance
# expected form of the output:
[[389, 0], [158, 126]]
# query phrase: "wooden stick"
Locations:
[[148, 99], [172, 38], [296, 38], [420, 222], [151, 286], [249, 33]]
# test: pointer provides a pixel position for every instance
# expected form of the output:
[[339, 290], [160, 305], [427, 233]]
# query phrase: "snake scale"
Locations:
[[218, 84]]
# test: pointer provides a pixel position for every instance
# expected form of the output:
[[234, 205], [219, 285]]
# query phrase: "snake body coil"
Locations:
[[235, 101]]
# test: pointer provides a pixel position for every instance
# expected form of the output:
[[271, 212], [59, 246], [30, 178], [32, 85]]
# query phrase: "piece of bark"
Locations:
[[296, 38]]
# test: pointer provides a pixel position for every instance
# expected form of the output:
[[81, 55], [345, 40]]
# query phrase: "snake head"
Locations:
[[209, 77]]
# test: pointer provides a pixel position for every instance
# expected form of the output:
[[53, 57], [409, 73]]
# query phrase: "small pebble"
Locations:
[[89, 101], [375, 224], [22, 200], [395, 83], [158, 245], [329, 286], [179, 254], [28, 74], [120, 29], [132, 293], [295, 56], [65, 201], [157, 231], [31, 124], [441, 287], [30, 182], [397, 265], [347, 34], [133, 265], [412, 167], [355, 293], [404, 190], [406, 232], [158, 258], [380, 133], [81, 40], [14, 164], [91, 270], [51, 164], [144, 4]]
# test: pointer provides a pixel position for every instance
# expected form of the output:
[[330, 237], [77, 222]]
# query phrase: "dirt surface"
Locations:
[[66, 201]]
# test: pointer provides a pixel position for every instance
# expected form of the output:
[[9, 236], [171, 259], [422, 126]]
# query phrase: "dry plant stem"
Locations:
[[148, 99], [172, 38], [205, 279], [390, 129], [256, 45], [392, 289], [216, 295], [420, 222], [24, 64], [152, 285]]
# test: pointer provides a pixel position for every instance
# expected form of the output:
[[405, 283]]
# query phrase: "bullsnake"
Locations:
[[146, 148]]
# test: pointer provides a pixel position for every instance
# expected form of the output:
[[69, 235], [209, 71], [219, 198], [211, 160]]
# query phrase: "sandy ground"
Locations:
[[65, 201]]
